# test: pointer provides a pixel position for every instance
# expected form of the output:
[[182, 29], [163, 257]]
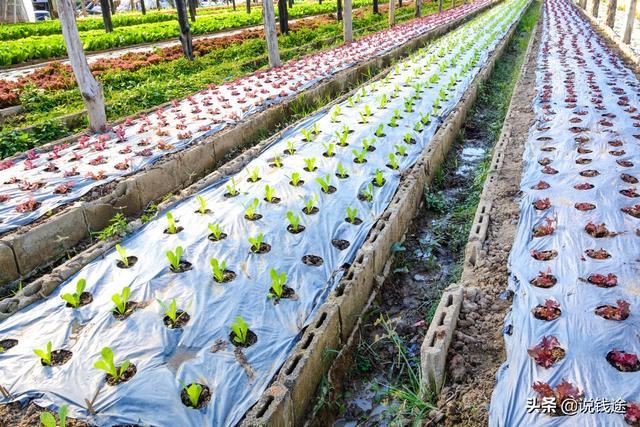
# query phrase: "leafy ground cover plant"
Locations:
[[241, 335], [220, 272], [563, 391], [258, 246], [176, 263], [79, 297], [115, 374], [614, 312], [547, 352], [50, 357], [623, 361], [47, 419], [548, 311], [125, 261], [216, 233], [195, 395], [174, 318], [279, 289]]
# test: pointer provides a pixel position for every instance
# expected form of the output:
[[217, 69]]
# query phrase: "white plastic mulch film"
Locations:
[[37, 182], [575, 260], [391, 117]]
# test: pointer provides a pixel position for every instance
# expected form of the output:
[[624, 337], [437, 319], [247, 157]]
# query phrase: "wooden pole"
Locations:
[[348, 20], [185, 31], [339, 14], [595, 6], [631, 16], [392, 12], [158, 4], [612, 6], [418, 8], [283, 16], [89, 88], [269, 19], [106, 15]]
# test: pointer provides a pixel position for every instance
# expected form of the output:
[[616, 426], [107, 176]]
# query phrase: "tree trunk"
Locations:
[[631, 16], [595, 7], [248, 6], [348, 19], [89, 88], [290, 3], [233, 2], [269, 19], [611, 13], [158, 5], [400, 3], [418, 8], [143, 8], [106, 15], [375, 6], [192, 9], [339, 14], [83, 7], [283, 16], [113, 7], [185, 31], [439, 6], [132, 5], [392, 13]]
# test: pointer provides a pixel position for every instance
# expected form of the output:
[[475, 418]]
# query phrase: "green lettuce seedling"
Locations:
[[350, 102], [240, 330], [425, 119], [171, 310], [295, 178], [120, 300], [290, 148], [315, 129], [216, 231], [256, 242], [218, 267], [277, 161], [202, 209], [366, 143], [45, 355], [255, 175], [277, 283], [294, 220], [175, 258], [324, 182], [107, 364], [359, 155], [417, 127], [310, 164], [171, 229], [231, 188], [194, 391], [123, 255], [48, 420], [309, 203], [342, 173], [269, 193], [330, 148], [250, 211], [380, 130], [382, 102], [408, 138], [74, 299], [392, 161], [367, 194], [351, 214], [378, 178], [401, 149], [342, 138]]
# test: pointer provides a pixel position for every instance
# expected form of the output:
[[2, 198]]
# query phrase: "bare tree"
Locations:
[[185, 31], [392, 12], [89, 88], [612, 5], [348, 19], [269, 19], [283, 16], [418, 8]]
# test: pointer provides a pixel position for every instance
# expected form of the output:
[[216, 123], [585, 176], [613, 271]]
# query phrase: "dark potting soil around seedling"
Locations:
[[292, 231], [601, 310], [314, 210], [229, 195], [274, 200], [287, 293], [206, 212], [345, 176], [182, 267], [132, 261], [340, 244], [85, 298], [312, 260], [264, 248], [126, 375], [59, 357], [227, 276], [181, 321], [375, 183], [178, 230], [255, 217], [222, 237], [300, 183], [203, 400], [330, 190], [8, 343], [622, 367], [129, 309], [252, 338], [356, 221]]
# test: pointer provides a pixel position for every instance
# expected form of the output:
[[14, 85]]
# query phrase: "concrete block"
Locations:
[[8, 266], [274, 409]]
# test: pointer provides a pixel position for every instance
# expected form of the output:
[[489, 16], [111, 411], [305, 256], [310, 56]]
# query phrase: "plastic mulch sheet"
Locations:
[[575, 260], [201, 351]]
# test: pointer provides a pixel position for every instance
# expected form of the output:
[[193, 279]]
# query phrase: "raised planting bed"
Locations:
[[199, 153], [248, 335], [570, 335]]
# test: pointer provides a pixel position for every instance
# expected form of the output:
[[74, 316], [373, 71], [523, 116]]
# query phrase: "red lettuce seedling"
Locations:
[[547, 352], [544, 279], [563, 391], [623, 361], [610, 312], [550, 310], [632, 414]]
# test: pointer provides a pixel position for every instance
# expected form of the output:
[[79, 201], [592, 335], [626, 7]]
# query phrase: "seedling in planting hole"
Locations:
[[74, 299], [342, 138], [175, 258], [171, 229], [218, 267], [418, 127], [308, 136], [216, 231], [380, 130], [250, 211], [342, 173], [277, 162], [363, 118], [382, 102], [408, 106], [425, 119], [277, 283], [256, 242], [315, 129], [45, 355], [443, 94], [231, 188], [393, 163], [325, 183], [363, 92], [367, 194], [350, 102], [351, 215], [171, 310], [443, 67], [330, 149], [202, 209], [359, 155], [334, 116], [358, 99], [408, 138], [120, 300], [107, 364], [309, 204], [240, 330], [194, 391], [401, 150], [290, 149], [295, 179], [434, 79], [310, 164], [379, 178], [294, 221], [122, 252], [393, 122], [48, 420], [254, 177], [368, 143], [269, 194]]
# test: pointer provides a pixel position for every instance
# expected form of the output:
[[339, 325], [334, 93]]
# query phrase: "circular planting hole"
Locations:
[[58, 357], [297, 184], [612, 312], [264, 248], [378, 184], [340, 244], [126, 375], [546, 313], [176, 231], [625, 163], [182, 318], [291, 230], [274, 200], [252, 338], [130, 307], [330, 190], [589, 173], [314, 210], [583, 206], [255, 217], [213, 238], [355, 221], [131, 260], [599, 254], [227, 276], [203, 399], [544, 280], [230, 195], [85, 298], [287, 293], [312, 260], [206, 212], [356, 160], [602, 281], [629, 178], [343, 176], [544, 255], [182, 267], [7, 344], [623, 361]]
